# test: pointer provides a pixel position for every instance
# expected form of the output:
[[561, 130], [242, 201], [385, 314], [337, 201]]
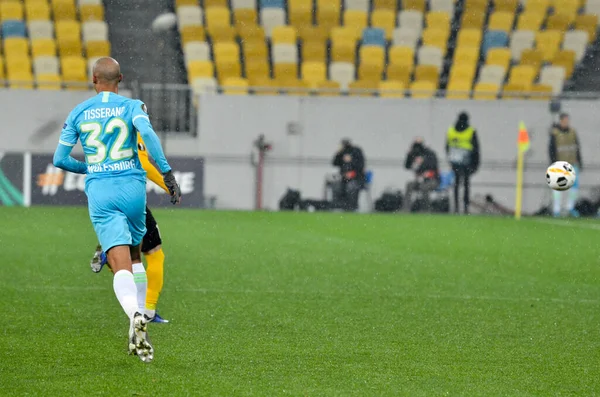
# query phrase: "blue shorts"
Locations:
[[117, 209]]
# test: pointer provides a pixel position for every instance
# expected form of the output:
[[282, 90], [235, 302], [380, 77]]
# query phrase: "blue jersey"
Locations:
[[107, 125]]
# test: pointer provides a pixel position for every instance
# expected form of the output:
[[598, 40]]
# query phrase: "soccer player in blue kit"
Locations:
[[107, 126]]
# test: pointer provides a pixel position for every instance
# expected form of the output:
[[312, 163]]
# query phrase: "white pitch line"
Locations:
[[565, 223], [338, 294]]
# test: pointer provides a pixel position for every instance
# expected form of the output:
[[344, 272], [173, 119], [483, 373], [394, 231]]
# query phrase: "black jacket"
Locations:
[[429, 164], [356, 164], [475, 155]]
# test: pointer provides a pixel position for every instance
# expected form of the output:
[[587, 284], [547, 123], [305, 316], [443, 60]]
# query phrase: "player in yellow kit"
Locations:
[[151, 244]]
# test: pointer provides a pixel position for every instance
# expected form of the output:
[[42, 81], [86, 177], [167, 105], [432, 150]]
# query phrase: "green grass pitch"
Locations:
[[309, 305]]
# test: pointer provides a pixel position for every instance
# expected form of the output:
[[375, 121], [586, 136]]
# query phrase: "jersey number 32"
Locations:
[[116, 151]]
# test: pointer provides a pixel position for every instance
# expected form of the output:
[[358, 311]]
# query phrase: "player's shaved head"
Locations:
[[106, 72]]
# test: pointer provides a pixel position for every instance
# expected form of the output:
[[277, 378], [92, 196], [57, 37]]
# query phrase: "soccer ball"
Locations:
[[560, 176]]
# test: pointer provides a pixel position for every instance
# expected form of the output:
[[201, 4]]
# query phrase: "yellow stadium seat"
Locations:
[[541, 92], [91, 12], [589, 24], [343, 45], [438, 20], [313, 51], [533, 57], [469, 38], [370, 71], [427, 73], [537, 6], [222, 33], [74, 71], [17, 64], [37, 11], [179, 3], [265, 86], [466, 55], [96, 49], [436, 38], [235, 86], [313, 33], [295, 87], [300, 13], [416, 5], [192, 33], [64, 10], [385, 4], [43, 47], [226, 52], [514, 91], [522, 74], [506, 6], [548, 42], [226, 70], [328, 13], [252, 33], [486, 91], [384, 19], [314, 73], [67, 30], [71, 47], [391, 89], [21, 80], [422, 89], [559, 22], [355, 19], [328, 88], [400, 55], [568, 8], [200, 69], [566, 59], [463, 71], [217, 16], [399, 73], [243, 18], [2, 75], [498, 56], [285, 71], [283, 35], [11, 10], [48, 81], [458, 89], [363, 88], [215, 3], [257, 70], [255, 50], [16, 46], [530, 20], [502, 21], [372, 55], [475, 5], [473, 20]]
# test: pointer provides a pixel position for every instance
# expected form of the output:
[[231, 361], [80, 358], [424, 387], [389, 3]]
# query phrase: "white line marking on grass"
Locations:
[[565, 223], [335, 294]]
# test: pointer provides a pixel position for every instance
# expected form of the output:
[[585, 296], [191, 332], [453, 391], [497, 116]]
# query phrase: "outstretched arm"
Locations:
[[63, 159]]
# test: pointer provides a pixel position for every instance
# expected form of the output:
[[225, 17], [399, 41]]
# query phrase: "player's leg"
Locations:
[[155, 258], [457, 181], [467, 191]]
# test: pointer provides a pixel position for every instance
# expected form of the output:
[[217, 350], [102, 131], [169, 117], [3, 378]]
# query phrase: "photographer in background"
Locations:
[[351, 163], [423, 161]]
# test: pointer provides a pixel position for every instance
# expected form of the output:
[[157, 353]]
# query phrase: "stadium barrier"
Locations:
[[30, 179]]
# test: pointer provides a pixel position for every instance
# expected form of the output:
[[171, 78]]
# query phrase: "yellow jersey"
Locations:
[[151, 172]]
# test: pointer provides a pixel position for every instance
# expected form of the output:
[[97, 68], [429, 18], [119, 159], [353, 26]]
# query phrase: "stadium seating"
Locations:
[[44, 42], [368, 45]]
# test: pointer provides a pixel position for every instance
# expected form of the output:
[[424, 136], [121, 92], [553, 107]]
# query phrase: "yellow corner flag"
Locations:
[[523, 146]]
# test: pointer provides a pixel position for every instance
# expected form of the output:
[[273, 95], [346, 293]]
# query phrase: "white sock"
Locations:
[[141, 283], [150, 313], [557, 201], [125, 291]]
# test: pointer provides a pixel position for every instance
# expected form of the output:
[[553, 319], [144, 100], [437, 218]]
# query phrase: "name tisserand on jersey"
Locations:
[[119, 166], [102, 113]]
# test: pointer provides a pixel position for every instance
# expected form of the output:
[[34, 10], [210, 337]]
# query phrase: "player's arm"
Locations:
[[62, 156], [142, 124], [151, 172]]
